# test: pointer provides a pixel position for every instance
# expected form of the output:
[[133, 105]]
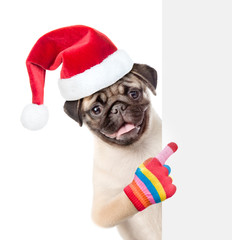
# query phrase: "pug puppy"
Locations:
[[127, 131]]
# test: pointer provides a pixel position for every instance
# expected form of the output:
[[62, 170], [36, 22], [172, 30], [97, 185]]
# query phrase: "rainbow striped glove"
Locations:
[[152, 183]]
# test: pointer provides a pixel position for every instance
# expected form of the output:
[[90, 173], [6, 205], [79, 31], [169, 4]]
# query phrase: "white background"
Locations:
[[45, 176]]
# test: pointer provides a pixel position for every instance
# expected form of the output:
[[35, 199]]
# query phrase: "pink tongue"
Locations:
[[126, 128]]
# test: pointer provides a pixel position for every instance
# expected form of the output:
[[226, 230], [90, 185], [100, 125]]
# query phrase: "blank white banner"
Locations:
[[197, 99]]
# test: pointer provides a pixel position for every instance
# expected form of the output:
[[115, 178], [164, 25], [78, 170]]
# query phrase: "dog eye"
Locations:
[[96, 110], [134, 94]]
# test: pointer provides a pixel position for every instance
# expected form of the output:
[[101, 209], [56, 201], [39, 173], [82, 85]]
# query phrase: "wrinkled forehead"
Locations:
[[119, 88]]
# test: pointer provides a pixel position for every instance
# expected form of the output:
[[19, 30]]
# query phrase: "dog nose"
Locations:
[[118, 108]]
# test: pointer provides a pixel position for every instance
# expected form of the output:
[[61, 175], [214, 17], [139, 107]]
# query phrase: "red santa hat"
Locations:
[[90, 62]]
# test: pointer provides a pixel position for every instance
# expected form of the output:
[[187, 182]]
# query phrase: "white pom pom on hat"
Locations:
[[90, 62], [34, 117]]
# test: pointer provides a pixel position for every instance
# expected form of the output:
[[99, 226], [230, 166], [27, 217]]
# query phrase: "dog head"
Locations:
[[118, 114]]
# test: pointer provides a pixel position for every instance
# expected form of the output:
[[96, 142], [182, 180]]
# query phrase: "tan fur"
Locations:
[[114, 90], [115, 164], [114, 168]]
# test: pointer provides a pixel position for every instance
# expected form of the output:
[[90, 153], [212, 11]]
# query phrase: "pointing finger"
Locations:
[[167, 152]]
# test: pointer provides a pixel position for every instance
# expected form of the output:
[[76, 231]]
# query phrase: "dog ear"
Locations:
[[147, 74], [73, 110]]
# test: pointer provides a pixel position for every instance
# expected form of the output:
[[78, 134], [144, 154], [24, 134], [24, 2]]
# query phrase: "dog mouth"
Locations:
[[129, 131], [125, 129]]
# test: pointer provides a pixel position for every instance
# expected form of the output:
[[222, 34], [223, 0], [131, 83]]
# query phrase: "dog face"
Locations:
[[118, 114]]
